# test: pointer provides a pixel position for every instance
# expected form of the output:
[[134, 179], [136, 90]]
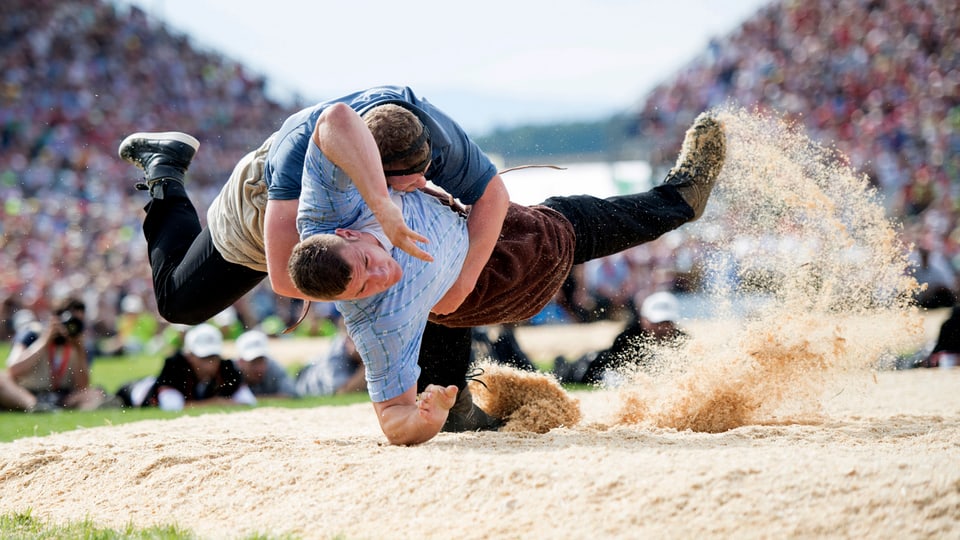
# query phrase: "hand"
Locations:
[[435, 402], [454, 297], [405, 238], [53, 329]]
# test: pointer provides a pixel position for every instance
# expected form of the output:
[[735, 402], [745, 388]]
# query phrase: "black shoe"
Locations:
[[700, 161], [561, 370], [162, 156], [466, 416]]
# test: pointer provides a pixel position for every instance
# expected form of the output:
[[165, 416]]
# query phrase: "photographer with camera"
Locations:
[[53, 371]]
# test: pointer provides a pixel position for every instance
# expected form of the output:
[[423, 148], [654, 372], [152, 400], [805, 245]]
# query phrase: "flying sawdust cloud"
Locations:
[[791, 224]]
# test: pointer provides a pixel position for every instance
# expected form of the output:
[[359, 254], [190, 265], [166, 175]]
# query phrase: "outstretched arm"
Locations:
[[483, 226], [344, 138], [407, 420]]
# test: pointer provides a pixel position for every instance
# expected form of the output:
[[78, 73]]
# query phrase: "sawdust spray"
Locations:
[[792, 226]]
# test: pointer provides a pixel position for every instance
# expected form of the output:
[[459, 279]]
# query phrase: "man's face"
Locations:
[[661, 330], [254, 370], [407, 183], [373, 269], [205, 367]]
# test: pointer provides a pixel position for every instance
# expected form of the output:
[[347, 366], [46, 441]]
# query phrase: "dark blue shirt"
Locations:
[[458, 165]]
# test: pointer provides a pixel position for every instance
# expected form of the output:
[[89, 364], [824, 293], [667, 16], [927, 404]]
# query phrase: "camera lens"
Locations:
[[72, 324]]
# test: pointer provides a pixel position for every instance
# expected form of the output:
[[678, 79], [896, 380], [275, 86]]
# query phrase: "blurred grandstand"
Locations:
[[76, 76], [880, 79]]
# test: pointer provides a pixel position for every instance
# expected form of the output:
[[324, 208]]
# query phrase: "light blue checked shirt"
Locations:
[[387, 328]]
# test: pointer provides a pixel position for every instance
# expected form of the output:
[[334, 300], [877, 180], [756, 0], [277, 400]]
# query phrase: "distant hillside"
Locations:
[[611, 138]]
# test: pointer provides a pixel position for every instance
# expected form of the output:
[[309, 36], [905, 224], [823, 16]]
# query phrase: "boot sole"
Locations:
[[162, 135]]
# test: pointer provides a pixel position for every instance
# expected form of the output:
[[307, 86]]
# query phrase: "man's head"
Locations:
[[659, 313], [203, 348], [70, 314], [404, 144], [347, 265], [73, 305]]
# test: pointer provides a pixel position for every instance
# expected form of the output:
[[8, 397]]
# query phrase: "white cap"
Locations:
[[659, 307], [203, 340], [252, 345], [131, 304], [226, 317]]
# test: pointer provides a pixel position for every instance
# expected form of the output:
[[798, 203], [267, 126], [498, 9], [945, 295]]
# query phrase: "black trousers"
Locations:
[[602, 227], [191, 280]]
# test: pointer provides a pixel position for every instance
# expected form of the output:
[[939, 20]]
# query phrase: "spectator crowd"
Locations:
[[74, 78], [881, 78]]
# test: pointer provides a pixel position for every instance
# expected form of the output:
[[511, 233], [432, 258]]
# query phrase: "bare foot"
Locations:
[[435, 402]]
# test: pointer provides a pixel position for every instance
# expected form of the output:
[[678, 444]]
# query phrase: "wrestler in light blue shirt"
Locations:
[[387, 328]]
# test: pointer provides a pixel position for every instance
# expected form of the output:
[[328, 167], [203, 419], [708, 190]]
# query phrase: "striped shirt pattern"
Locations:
[[387, 328]]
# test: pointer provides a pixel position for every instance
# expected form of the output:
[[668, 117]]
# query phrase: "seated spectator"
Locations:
[[53, 370], [262, 373], [935, 272], [656, 325], [946, 352], [339, 371], [195, 375]]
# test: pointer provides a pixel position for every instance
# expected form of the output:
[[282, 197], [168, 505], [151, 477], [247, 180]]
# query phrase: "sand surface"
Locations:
[[881, 462]]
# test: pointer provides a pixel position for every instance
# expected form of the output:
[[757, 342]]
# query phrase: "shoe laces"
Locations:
[[474, 376]]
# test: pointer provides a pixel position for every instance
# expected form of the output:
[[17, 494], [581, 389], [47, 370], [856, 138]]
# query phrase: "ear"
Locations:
[[348, 234]]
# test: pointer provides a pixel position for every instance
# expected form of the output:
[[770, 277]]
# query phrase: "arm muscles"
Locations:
[[483, 226], [344, 138], [279, 237]]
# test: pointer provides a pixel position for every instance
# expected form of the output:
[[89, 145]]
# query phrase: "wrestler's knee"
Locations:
[[184, 312]]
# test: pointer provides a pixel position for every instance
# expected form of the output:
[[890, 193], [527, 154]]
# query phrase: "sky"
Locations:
[[495, 63]]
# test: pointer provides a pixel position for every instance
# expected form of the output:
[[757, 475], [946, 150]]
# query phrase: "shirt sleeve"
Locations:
[[328, 200], [389, 346], [459, 166], [284, 163]]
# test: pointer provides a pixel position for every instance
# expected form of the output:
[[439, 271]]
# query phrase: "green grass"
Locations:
[[17, 425], [111, 373], [23, 526]]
